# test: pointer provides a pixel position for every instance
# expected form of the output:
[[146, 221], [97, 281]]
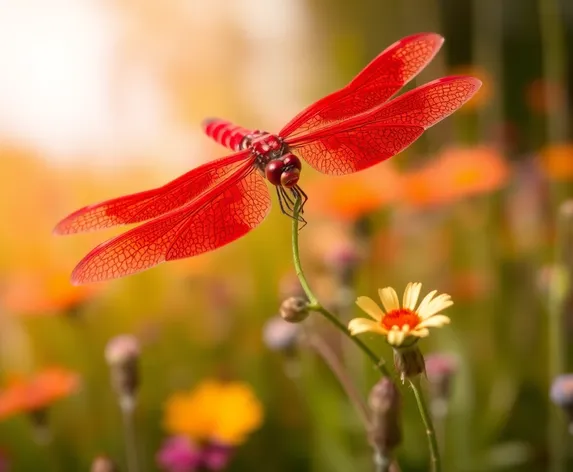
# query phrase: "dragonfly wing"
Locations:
[[218, 217], [378, 81], [149, 204], [370, 138]]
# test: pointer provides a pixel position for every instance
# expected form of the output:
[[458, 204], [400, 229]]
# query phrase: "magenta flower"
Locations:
[[179, 454]]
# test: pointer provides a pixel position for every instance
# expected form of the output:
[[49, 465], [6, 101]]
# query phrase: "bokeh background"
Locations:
[[100, 98]]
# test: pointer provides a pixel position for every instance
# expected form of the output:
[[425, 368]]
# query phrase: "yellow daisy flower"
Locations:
[[397, 322], [224, 412]]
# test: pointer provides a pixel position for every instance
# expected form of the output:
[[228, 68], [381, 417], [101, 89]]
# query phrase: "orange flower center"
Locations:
[[400, 317]]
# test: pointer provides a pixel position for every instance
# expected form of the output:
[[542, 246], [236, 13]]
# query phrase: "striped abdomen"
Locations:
[[229, 135]]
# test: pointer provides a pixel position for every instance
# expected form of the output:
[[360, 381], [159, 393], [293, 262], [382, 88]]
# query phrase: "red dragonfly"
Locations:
[[347, 131]]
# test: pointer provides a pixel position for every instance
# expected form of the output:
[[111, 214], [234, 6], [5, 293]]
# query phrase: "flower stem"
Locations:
[[430, 432], [334, 364], [315, 305], [129, 436]]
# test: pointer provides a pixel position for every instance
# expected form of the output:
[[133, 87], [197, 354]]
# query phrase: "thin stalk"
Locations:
[[488, 53], [334, 364], [127, 409], [430, 432], [554, 69], [314, 304], [557, 435]]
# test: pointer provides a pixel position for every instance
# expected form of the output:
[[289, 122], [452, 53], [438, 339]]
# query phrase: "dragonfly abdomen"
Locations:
[[228, 134]]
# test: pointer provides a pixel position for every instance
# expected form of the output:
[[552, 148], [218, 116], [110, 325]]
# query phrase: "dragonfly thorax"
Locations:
[[280, 167]]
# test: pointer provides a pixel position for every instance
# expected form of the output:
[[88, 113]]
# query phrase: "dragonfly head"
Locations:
[[284, 171]]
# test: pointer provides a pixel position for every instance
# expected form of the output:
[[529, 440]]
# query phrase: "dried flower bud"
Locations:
[[385, 432], [343, 257], [103, 464], [279, 335], [440, 369], [562, 395], [408, 361], [294, 309], [122, 355]]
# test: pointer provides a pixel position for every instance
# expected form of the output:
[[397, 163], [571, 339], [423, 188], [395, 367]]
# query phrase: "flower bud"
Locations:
[[103, 464], [294, 309], [279, 335], [562, 395], [440, 370], [385, 433], [122, 355], [408, 361]]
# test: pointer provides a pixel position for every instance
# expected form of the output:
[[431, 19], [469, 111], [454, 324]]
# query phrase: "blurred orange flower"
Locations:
[[223, 412], [557, 161], [456, 173], [354, 196], [41, 291], [25, 395], [484, 94]]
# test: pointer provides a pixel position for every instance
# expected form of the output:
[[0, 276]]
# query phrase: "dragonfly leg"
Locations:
[[287, 202]]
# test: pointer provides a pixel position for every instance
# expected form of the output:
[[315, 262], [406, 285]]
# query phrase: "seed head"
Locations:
[[122, 355], [562, 395], [103, 464]]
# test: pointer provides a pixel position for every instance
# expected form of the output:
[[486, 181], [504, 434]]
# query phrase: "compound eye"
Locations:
[[274, 171], [289, 178], [291, 160]]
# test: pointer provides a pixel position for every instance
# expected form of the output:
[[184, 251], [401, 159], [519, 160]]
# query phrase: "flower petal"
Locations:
[[425, 301], [389, 299], [395, 337], [362, 325], [440, 303], [420, 332], [435, 321], [370, 307], [411, 295]]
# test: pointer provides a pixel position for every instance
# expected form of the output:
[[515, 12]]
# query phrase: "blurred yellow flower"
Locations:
[[557, 161], [25, 395], [400, 322], [222, 412]]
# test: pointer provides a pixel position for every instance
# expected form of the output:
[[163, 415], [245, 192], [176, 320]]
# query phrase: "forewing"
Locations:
[[377, 82], [218, 217], [384, 131], [149, 204]]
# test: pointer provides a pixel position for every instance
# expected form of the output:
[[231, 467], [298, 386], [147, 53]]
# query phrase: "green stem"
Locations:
[[314, 304], [430, 432], [127, 410]]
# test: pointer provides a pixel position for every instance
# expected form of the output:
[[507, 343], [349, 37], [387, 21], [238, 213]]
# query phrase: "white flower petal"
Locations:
[[362, 325], [396, 337], [420, 332], [435, 321], [440, 303], [425, 301], [411, 295], [389, 299], [370, 307]]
